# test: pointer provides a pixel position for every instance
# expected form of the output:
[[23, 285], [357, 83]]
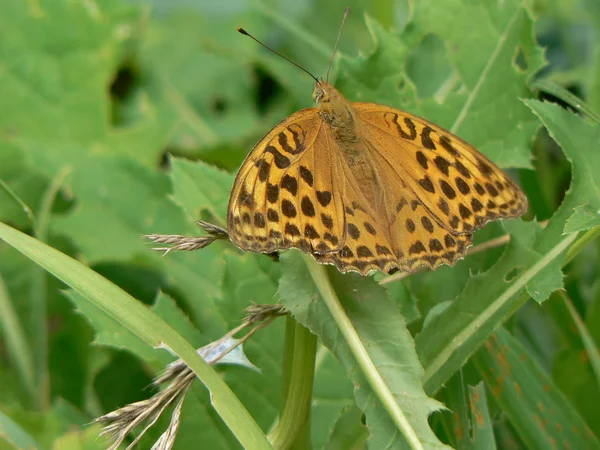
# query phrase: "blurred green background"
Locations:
[[114, 115]]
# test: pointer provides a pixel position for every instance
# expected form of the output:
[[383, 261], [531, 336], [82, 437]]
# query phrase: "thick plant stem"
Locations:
[[292, 431]]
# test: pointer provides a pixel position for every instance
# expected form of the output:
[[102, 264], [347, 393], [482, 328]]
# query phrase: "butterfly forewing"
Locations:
[[284, 194]]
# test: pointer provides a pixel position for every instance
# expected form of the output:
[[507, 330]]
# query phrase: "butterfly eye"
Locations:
[[318, 95]]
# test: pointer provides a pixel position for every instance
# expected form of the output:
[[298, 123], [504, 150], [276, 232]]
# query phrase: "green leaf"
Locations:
[[333, 402], [205, 90], [147, 326], [86, 439], [470, 422], [381, 329], [449, 338], [198, 186], [539, 412], [479, 83], [577, 138], [348, 432], [584, 217], [485, 303], [14, 435], [575, 366], [100, 184]]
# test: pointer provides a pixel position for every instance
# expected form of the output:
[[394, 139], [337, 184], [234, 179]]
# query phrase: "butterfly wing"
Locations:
[[460, 187], [429, 192], [385, 234], [285, 194], [414, 201]]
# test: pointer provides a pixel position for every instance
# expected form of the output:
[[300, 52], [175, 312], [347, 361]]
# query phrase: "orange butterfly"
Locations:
[[366, 187]]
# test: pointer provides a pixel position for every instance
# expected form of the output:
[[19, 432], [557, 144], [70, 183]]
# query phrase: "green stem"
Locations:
[[293, 428], [12, 194], [16, 342], [580, 243], [38, 300], [586, 338], [359, 351]]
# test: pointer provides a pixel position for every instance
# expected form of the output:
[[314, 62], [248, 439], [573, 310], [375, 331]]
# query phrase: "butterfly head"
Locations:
[[324, 93], [335, 110]]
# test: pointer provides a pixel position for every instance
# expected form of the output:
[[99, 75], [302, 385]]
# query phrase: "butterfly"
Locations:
[[366, 187]]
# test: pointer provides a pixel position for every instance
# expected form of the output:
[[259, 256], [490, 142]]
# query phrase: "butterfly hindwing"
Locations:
[[389, 229]]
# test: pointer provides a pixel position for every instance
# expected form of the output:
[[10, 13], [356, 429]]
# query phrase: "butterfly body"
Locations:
[[338, 113], [366, 187]]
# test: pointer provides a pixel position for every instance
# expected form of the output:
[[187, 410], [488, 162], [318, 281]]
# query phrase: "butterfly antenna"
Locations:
[[244, 32], [337, 42]]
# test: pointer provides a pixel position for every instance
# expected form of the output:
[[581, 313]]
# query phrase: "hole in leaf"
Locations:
[[519, 60], [267, 89], [123, 82], [122, 90], [513, 273], [219, 106]]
